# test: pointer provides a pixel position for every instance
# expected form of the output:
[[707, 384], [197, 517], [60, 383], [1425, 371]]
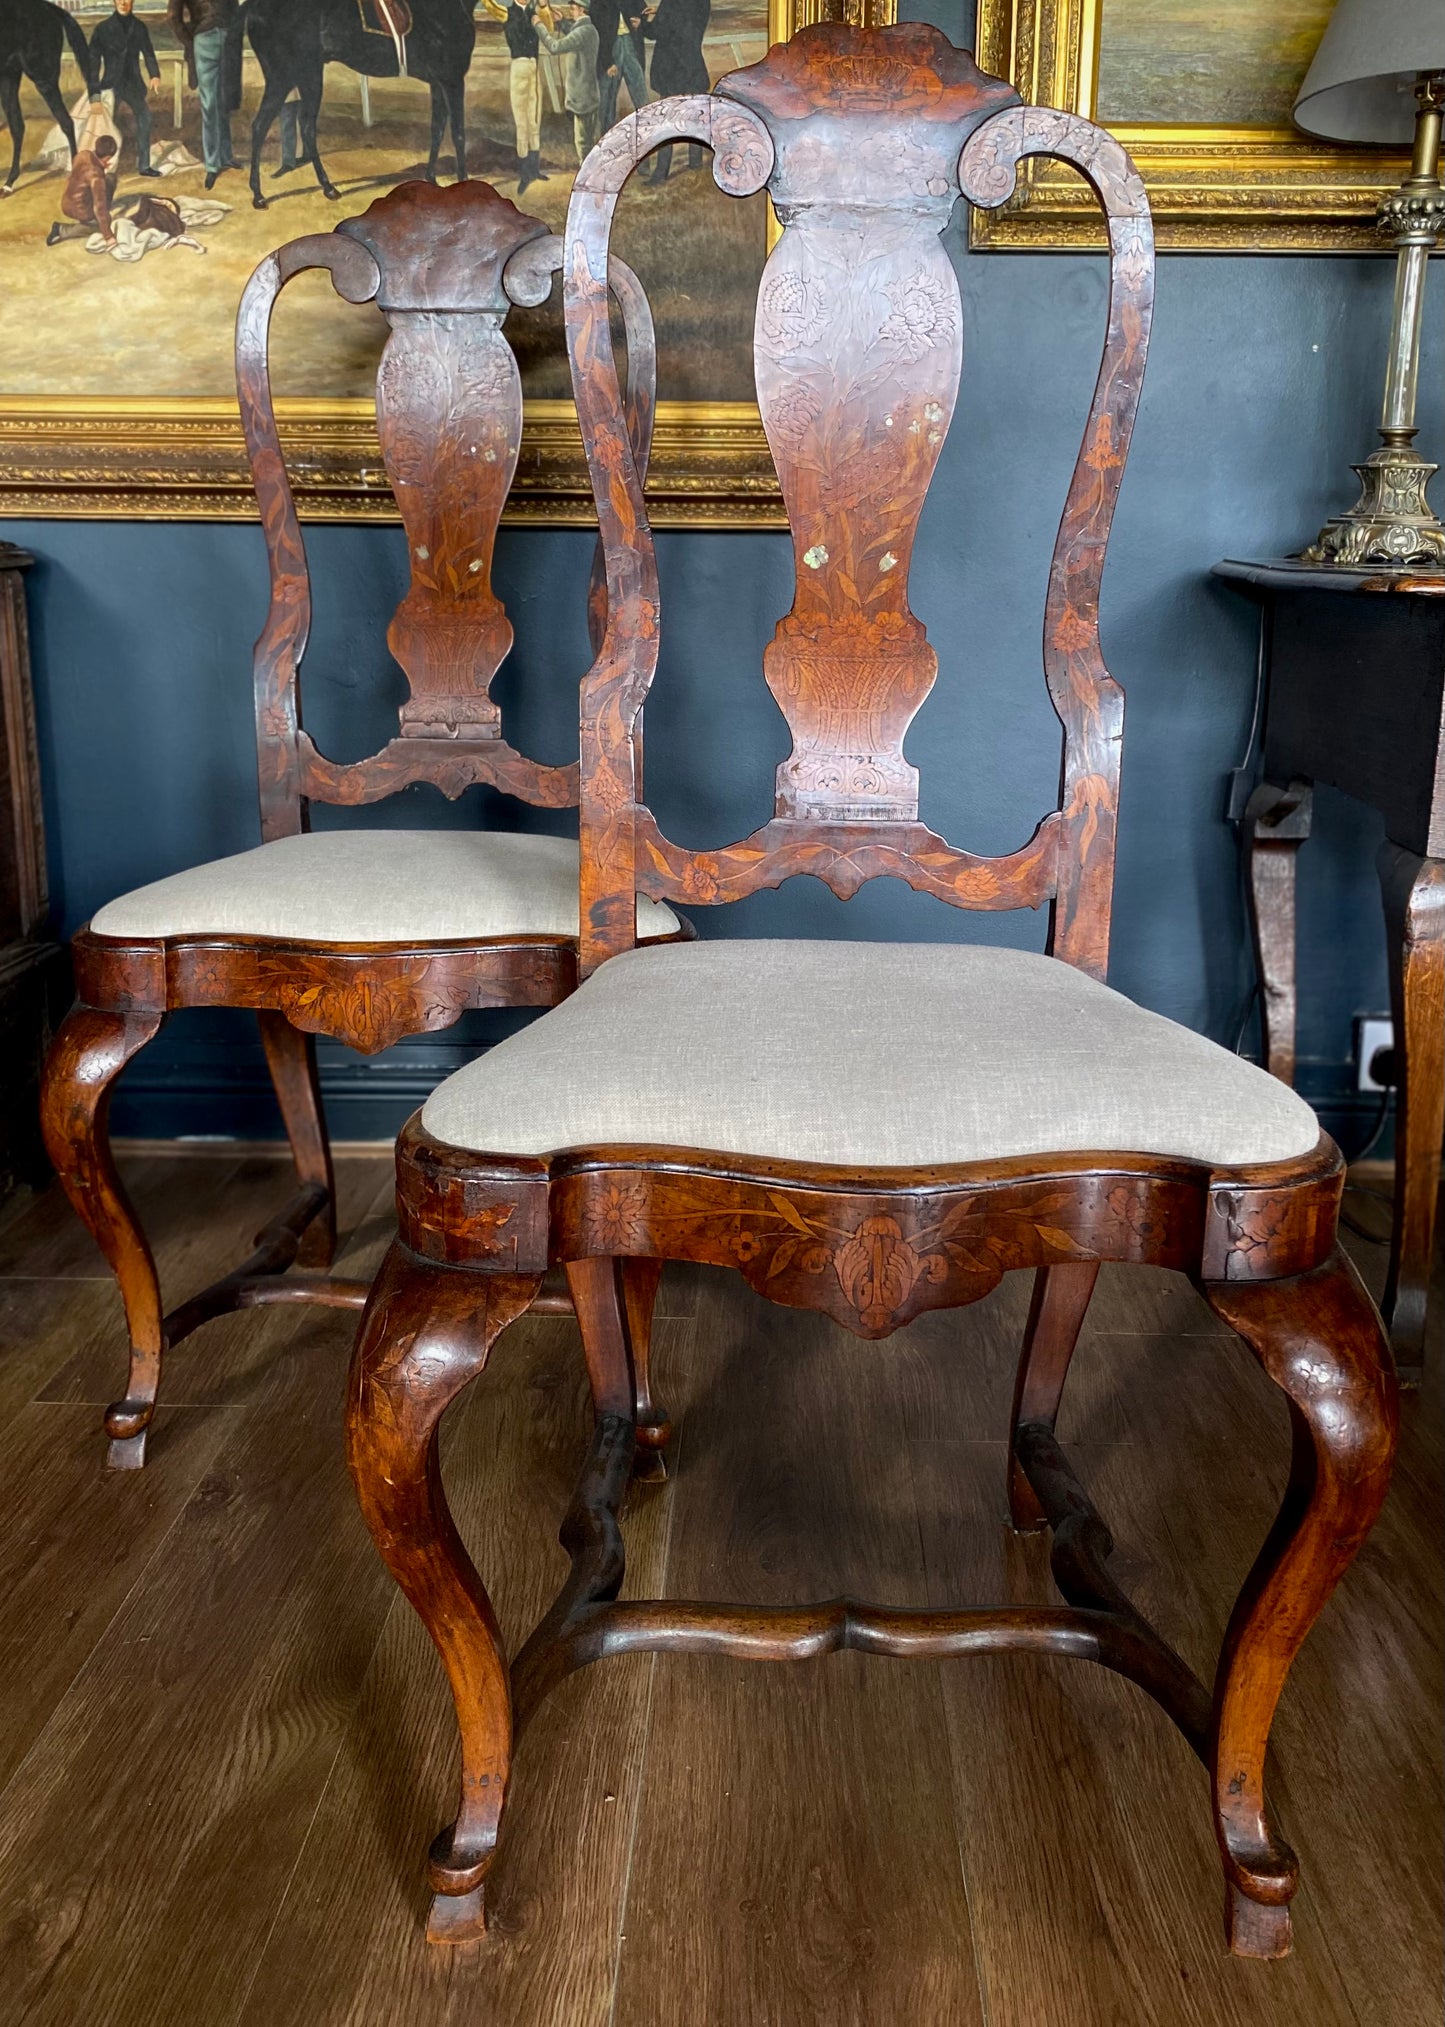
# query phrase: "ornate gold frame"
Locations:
[[93, 459], [96, 460], [1213, 188]]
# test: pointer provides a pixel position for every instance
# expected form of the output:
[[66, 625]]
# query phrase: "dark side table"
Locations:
[[1355, 696]]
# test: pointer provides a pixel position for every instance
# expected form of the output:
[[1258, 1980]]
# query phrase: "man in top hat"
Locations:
[[121, 51], [677, 28], [621, 54]]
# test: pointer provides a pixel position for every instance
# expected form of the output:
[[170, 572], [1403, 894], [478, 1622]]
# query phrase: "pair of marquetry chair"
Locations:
[[865, 1130], [361, 935]]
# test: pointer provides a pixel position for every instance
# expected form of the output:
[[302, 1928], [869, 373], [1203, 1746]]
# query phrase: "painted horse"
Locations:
[[33, 35], [294, 40]]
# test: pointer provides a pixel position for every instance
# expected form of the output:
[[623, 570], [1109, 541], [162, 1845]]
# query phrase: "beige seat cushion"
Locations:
[[374, 887], [864, 1054]]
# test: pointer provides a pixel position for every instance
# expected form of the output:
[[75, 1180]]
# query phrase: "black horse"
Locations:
[[294, 40], [33, 35]]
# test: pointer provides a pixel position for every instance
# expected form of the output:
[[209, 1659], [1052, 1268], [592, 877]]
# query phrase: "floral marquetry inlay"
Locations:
[[871, 1261], [450, 632], [857, 350], [449, 415]]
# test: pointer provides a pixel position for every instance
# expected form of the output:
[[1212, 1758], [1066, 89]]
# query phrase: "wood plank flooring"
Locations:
[[226, 1741]]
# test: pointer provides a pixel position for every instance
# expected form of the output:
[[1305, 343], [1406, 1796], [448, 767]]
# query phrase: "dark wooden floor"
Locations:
[[226, 1743]]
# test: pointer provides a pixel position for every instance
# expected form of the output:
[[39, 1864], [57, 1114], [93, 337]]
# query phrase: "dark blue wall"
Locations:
[[1263, 384]]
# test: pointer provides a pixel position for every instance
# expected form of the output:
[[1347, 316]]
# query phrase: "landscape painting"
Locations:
[[1201, 93], [1236, 63], [203, 139]]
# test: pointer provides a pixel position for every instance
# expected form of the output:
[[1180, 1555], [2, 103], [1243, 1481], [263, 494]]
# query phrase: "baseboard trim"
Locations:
[[181, 1091]]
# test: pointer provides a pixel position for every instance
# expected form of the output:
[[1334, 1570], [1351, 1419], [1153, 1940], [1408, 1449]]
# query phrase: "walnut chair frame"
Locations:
[[444, 266], [871, 135]]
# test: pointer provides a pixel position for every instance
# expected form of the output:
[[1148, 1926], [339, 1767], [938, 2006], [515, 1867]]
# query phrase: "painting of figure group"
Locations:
[[599, 52], [603, 44], [147, 133]]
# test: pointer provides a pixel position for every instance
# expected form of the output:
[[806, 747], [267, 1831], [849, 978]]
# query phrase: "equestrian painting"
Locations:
[[294, 40], [161, 148]]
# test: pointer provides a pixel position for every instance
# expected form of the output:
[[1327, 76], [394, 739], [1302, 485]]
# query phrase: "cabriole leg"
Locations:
[[425, 1333], [291, 1059], [1056, 1316], [86, 1057], [1320, 1339], [640, 1282]]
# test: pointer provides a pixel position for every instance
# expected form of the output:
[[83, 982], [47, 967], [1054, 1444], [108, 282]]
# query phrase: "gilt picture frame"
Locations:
[[1198, 91], [76, 450]]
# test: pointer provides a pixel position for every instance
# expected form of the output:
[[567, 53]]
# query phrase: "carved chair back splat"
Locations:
[[857, 348], [444, 266], [863, 138]]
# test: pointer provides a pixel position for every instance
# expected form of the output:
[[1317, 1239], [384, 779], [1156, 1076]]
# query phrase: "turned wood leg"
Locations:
[[291, 1059], [1276, 824], [425, 1333], [1320, 1339], [640, 1282], [1056, 1316], [86, 1057], [1414, 896]]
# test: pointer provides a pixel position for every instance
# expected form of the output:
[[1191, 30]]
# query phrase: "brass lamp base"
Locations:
[[1391, 522]]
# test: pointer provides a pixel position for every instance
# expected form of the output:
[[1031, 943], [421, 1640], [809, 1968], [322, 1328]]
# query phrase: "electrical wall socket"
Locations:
[[1373, 1032]]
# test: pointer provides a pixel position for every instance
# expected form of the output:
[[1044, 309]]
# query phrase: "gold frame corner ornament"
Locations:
[[1213, 189], [179, 460]]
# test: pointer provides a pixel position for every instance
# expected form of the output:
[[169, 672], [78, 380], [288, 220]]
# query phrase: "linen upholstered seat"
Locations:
[[870, 1055], [373, 887]]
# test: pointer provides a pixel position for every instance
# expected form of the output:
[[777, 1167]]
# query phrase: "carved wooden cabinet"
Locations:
[[32, 970]]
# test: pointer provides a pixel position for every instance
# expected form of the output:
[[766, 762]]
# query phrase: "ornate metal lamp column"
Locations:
[[1356, 90]]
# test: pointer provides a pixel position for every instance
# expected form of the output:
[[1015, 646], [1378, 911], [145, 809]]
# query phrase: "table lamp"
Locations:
[[1379, 75]]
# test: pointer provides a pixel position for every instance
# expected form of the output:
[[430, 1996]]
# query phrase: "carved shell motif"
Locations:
[[371, 1010], [871, 1268]]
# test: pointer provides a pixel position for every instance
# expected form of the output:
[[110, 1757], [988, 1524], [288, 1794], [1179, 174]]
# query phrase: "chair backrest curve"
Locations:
[[444, 266], [864, 138]]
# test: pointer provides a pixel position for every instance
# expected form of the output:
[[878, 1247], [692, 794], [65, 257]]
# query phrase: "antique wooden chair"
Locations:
[[867, 1130], [362, 935]]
